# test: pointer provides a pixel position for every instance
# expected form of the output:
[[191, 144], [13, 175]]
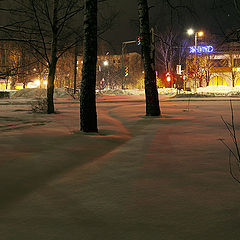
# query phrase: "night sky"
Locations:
[[219, 21]]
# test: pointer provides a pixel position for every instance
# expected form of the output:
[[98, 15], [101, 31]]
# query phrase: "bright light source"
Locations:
[[168, 77], [45, 82], [190, 31], [106, 63], [200, 34], [37, 82]]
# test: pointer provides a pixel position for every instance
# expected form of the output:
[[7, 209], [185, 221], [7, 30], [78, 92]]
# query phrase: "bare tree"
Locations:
[[47, 28], [151, 93], [166, 49], [16, 64], [234, 151]]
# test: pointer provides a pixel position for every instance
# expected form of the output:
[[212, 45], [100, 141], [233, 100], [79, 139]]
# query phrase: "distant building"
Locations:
[[111, 70], [4, 84], [219, 67]]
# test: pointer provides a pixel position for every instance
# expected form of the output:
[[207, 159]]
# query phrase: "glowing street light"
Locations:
[[196, 35], [106, 63], [37, 82], [200, 34], [190, 31]]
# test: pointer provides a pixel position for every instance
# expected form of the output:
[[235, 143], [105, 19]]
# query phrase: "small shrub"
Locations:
[[39, 106]]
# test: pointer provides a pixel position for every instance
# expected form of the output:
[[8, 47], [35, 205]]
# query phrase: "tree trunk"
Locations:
[[233, 78], [151, 93], [53, 63], [50, 86], [88, 114]]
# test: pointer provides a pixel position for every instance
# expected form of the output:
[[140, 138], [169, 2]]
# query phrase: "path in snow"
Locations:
[[140, 178]]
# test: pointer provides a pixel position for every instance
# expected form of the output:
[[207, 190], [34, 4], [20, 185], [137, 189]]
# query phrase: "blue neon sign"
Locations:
[[201, 49]]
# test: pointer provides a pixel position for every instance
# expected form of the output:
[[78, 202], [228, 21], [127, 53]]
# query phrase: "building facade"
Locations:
[[117, 71], [218, 67]]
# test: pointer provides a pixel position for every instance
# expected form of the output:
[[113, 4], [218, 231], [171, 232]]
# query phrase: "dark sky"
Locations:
[[124, 29], [205, 18], [217, 21]]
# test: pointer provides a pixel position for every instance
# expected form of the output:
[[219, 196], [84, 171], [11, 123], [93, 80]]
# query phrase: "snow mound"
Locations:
[[219, 90], [167, 91], [212, 91], [115, 92], [37, 93]]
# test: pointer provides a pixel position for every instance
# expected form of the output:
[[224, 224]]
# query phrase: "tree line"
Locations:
[[49, 28]]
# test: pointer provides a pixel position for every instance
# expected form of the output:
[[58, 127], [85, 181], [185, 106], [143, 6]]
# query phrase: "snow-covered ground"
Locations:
[[209, 91], [140, 178], [206, 91], [220, 90]]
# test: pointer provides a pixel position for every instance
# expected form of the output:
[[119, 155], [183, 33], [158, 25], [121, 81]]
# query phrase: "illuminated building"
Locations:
[[218, 66]]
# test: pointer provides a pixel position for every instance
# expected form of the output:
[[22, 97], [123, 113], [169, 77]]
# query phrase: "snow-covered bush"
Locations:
[[39, 106]]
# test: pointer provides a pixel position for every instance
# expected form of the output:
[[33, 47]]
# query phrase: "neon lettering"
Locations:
[[201, 49]]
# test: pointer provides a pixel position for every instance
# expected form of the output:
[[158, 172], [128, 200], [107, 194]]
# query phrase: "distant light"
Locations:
[[139, 41], [168, 77], [106, 63], [190, 31], [126, 71], [37, 82], [200, 34]]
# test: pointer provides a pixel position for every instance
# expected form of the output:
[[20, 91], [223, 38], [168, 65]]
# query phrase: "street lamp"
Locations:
[[106, 63], [196, 35], [106, 72]]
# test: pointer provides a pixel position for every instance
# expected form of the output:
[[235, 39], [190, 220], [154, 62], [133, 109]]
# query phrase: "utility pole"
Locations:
[[123, 61], [195, 60]]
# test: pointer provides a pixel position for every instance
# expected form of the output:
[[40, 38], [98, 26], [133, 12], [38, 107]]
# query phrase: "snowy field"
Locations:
[[139, 178], [210, 91]]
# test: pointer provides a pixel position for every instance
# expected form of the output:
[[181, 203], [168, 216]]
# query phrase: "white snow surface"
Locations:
[[139, 178]]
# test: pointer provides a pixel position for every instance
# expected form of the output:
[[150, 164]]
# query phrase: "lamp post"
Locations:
[[196, 35], [106, 65]]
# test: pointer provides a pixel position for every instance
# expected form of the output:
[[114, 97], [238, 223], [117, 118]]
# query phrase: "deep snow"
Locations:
[[140, 178]]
